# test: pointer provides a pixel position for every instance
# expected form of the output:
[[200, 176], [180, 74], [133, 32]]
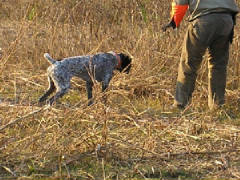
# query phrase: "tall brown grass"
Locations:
[[134, 135]]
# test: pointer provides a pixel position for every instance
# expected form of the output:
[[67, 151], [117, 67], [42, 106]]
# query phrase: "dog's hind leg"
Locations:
[[60, 93], [62, 85], [61, 90], [50, 90], [89, 88]]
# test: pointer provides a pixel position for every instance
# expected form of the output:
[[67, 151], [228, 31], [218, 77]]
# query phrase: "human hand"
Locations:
[[169, 25]]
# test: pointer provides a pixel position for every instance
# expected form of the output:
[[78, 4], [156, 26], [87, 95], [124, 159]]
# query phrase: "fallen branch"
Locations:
[[201, 153], [166, 156], [23, 117]]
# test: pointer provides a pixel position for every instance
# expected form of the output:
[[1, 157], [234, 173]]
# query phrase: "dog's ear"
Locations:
[[125, 63]]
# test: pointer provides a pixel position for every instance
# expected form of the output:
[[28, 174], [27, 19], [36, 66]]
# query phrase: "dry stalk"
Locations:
[[23, 117], [135, 125]]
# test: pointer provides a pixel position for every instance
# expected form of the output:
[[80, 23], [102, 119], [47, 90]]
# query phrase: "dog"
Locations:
[[97, 67]]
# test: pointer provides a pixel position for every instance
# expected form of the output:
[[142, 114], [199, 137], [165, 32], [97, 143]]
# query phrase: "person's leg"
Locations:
[[191, 58], [217, 64]]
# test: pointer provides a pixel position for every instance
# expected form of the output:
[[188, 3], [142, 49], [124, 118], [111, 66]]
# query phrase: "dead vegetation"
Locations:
[[134, 135]]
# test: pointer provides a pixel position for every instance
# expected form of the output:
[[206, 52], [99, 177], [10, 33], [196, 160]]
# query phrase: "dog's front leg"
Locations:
[[106, 81], [89, 87], [105, 85]]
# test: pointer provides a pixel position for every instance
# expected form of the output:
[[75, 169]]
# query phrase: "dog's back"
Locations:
[[83, 66]]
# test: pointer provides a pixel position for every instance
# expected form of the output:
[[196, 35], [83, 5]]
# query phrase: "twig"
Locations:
[[201, 153], [23, 117], [9, 170], [165, 156], [103, 169]]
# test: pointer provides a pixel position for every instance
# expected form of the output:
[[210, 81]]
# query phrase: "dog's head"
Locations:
[[125, 63]]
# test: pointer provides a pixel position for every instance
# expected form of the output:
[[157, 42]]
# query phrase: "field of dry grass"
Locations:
[[134, 135]]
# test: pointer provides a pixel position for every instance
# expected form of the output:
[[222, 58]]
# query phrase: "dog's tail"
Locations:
[[49, 58]]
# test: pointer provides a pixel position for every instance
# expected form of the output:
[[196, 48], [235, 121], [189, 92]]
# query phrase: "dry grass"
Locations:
[[135, 134]]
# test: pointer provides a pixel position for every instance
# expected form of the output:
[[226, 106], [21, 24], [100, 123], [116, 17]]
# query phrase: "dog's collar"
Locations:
[[118, 59]]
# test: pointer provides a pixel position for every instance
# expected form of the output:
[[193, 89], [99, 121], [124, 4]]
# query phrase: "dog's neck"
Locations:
[[118, 66]]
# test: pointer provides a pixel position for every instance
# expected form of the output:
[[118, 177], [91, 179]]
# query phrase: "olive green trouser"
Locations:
[[210, 32]]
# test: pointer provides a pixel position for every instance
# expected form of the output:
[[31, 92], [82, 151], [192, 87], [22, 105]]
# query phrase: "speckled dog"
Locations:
[[99, 67]]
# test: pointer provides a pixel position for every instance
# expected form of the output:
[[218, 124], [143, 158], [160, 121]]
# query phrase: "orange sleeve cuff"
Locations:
[[178, 12]]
